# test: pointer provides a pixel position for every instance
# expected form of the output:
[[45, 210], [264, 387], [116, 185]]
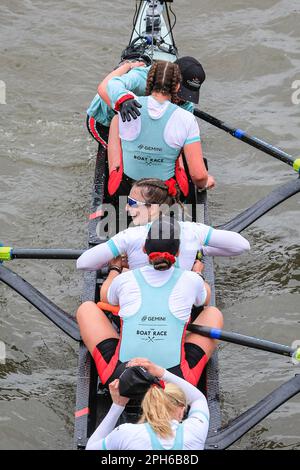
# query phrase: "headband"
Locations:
[[167, 256]]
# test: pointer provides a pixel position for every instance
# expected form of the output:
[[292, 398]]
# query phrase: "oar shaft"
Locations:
[[257, 210], [8, 253], [251, 140], [242, 340]]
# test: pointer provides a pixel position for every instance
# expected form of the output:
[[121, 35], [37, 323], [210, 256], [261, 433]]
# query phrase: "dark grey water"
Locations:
[[52, 56]]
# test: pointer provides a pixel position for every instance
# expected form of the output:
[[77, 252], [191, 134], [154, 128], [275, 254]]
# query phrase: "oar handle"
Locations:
[[5, 253], [251, 140], [108, 307], [244, 340]]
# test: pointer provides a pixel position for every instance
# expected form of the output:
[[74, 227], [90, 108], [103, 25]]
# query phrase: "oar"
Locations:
[[250, 215], [251, 140], [59, 317], [254, 415], [8, 253], [244, 340]]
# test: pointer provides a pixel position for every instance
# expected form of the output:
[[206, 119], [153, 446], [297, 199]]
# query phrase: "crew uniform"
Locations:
[[152, 143], [193, 237], [155, 307], [188, 435]]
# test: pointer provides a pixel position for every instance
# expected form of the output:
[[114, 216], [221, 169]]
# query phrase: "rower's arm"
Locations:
[[105, 287], [97, 439], [102, 87], [198, 418], [133, 81], [225, 243], [192, 393], [95, 258], [194, 158], [114, 150]]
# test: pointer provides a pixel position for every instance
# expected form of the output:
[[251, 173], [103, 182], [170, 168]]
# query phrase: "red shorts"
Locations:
[[106, 357], [192, 365]]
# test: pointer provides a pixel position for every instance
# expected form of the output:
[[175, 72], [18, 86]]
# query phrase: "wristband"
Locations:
[[122, 99], [115, 268]]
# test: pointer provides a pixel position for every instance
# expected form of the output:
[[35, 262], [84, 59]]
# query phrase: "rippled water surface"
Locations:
[[52, 56]]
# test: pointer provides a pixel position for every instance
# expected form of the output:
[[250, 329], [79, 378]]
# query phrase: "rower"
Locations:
[[150, 145], [131, 77], [155, 307], [146, 201], [161, 427]]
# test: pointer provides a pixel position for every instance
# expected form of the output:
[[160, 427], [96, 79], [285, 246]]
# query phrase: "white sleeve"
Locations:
[[201, 297], [193, 134], [113, 292], [181, 129], [196, 425], [95, 258], [193, 395], [198, 417], [98, 256], [225, 243], [201, 232], [195, 284], [97, 439]]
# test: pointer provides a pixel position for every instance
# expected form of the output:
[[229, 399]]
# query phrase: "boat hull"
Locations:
[[92, 401]]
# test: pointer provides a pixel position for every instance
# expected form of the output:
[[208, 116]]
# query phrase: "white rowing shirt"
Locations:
[[193, 237], [188, 291], [131, 241], [136, 437], [182, 128]]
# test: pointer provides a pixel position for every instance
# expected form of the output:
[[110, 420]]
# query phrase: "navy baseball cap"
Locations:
[[193, 76]]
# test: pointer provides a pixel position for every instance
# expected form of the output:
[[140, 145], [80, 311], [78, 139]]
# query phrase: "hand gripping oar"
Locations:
[[254, 415], [251, 140], [59, 317], [8, 253]]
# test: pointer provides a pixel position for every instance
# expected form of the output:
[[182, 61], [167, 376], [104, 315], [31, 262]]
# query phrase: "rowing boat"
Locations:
[[152, 37]]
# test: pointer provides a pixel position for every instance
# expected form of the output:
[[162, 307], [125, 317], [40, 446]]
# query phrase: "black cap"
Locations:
[[135, 381], [193, 76]]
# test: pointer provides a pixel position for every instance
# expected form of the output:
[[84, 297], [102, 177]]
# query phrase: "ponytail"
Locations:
[[159, 406]]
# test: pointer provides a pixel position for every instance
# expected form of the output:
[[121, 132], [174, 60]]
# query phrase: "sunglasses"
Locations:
[[134, 203]]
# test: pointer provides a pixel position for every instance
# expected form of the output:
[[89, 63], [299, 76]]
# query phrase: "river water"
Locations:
[[52, 56]]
